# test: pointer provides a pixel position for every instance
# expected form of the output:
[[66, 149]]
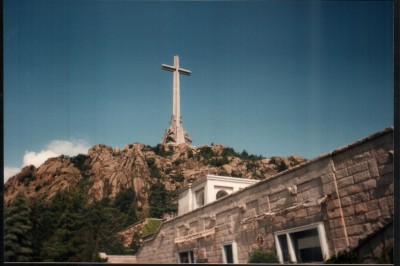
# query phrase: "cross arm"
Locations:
[[167, 67], [180, 70], [184, 71]]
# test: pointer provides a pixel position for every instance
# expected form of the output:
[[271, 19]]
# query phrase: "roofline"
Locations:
[[332, 153], [137, 223], [217, 177], [294, 168]]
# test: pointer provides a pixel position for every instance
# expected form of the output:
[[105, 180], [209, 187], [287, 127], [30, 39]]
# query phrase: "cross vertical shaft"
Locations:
[[175, 133]]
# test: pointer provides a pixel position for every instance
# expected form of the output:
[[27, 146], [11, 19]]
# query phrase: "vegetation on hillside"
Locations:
[[160, 200], [18, 231], [68, 228]]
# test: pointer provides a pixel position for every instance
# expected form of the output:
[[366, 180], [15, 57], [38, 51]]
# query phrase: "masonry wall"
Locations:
[[354, 186]]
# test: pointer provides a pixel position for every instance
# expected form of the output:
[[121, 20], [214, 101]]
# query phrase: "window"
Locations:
[[229, 254], [220, 194], [199, 197], [302, 245], [186, 257]]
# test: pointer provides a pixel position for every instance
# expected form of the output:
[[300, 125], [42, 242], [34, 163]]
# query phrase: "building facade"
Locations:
[[207, 190], [305, 214]]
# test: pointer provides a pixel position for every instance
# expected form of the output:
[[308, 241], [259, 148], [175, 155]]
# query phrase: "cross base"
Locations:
[[170, 137]]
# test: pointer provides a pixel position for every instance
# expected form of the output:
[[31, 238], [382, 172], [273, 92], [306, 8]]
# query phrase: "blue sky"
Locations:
[[275, 78]]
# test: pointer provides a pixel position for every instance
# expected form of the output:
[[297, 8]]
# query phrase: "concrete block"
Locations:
[[328, 188], [373, 205], [369, 184], [358, 168], [341, 173], [350, 190], [316, 192], [361, 208], [334, 214], [314, 218], [354, 240], [359, 197], [377, 152], [301, 213], [338, 233], [327, 178], [332, 204], [362, 156], [346, 201], [290, 215], [336, 223], [345, 182], [362, 176], [355, 230], [367, 228], [313, 210], [373, 215], [384, 207], [373, 168], [309, 185], [348, 211], [340, 243]]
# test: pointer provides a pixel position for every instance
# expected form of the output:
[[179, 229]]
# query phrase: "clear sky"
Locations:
[[275, 78]]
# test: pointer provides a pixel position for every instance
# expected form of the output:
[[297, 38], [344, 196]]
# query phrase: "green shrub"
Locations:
[[218, 161], [229, 152], [154, 172], [282, 167], [161, 151], [343, 257], [263, 256], [178, 177], [151, 227], [177, 162], [80, 161], [150, 162], [252, 166], [206, 153], [136, 242]]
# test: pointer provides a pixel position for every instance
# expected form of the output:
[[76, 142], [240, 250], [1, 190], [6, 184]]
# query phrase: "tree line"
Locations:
[[69, 228]]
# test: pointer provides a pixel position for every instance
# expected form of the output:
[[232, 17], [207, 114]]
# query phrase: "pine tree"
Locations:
[[132, 215], [159, 201], [17, 231], [124, 199], [61, 246]]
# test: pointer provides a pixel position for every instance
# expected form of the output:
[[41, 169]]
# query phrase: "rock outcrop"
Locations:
[[107, 170]]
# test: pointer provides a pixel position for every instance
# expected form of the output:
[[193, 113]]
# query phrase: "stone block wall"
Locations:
[[378, 247], [349, 190]]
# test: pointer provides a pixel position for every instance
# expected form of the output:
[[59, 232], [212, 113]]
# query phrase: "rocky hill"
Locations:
[[106, 170]]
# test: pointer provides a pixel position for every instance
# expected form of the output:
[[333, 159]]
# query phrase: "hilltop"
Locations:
[[106, 170]]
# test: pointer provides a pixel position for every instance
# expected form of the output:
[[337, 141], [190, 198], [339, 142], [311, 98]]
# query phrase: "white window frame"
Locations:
[[321, 235], [186, 251], [234, 252]]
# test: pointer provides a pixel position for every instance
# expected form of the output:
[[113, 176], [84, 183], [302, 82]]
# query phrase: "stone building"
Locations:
[[308, 213], [207, 190]]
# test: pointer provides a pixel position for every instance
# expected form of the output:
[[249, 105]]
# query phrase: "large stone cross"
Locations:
[[175, 133]]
